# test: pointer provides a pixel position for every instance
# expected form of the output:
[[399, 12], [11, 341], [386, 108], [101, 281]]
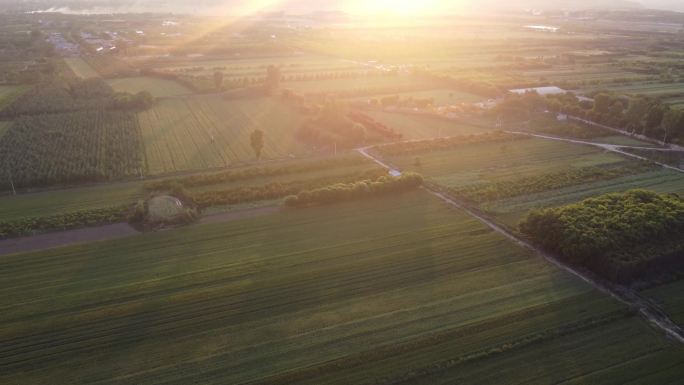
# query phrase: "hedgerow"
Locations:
[[350, 191], [620, 236], [273, 190]]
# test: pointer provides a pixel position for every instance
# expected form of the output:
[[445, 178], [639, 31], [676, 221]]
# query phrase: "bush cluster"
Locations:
[[620, 236], [350, 191]]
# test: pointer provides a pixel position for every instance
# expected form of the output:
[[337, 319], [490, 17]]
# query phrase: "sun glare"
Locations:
[[397, 7]]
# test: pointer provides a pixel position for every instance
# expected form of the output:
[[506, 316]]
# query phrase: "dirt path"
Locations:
[[646, 308], [109, 232], [66, 237]]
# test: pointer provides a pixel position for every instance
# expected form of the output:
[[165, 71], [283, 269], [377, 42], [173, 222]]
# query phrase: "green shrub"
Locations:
[[350, 191]]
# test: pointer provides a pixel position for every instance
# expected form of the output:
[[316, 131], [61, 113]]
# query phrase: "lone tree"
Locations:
[[272, 78], [218, 79], [257, 141]]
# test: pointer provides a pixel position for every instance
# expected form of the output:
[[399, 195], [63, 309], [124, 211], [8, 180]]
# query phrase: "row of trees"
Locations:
[[357, 190], [375, 126], [621, 236], [406, 102], [641, 115]]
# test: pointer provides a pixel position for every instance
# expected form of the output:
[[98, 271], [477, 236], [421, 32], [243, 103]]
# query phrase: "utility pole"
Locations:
[[14, 192]]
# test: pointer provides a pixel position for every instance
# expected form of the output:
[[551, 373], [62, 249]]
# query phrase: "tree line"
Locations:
[[640, 115]]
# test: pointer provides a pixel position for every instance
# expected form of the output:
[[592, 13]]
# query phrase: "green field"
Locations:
[[207, 131], [81, 68], [366, 85], [422, 126], [512, 210], [670, 297], [622, 140], [502, 161], [349, 293], [9, 93], [65, 201], [442, 97], [256, 66], [4, 126], [571, 73], [495, 162], [157, 87], [648, 89]]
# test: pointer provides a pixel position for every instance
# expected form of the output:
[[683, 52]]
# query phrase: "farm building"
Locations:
[[543, 91]]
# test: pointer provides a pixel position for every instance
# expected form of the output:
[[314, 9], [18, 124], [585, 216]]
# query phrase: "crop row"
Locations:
[[487, 192]]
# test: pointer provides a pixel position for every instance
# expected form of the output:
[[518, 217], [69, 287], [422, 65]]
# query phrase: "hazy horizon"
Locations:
[[405, 7]]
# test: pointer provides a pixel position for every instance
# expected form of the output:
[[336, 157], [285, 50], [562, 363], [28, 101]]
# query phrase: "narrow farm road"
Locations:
[[108, 232], [646, 308], [609, 147]]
